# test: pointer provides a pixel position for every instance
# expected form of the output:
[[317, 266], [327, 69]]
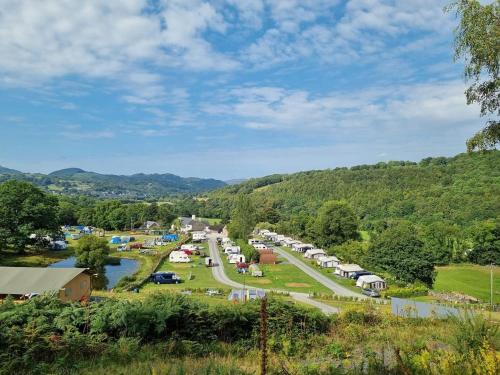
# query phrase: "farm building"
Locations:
[[327, 261], [371, 282], [70, 284], [346, 270], [314, 253], [178, 257], [268, 258]]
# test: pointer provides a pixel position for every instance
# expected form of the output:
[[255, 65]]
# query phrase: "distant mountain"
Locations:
[[76, 181]]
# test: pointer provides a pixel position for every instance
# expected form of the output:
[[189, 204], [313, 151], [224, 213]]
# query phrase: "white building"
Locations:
[[346, 270], [236, 258], [314, 253], [327, 261], [371, 282], [179, 257]]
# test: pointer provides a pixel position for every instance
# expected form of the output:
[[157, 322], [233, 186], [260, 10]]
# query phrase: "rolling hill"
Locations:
[[76, 181]]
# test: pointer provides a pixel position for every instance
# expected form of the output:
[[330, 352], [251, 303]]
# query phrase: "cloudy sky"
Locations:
[[227, 88]]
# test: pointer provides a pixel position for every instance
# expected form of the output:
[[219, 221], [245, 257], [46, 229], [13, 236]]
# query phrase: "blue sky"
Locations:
[[227, 88]]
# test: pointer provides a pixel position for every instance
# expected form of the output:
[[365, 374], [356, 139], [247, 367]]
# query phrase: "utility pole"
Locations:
[[491, 288], [263, 336]]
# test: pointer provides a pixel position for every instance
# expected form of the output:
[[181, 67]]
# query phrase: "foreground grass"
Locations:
[[34, 257], [470, 279]]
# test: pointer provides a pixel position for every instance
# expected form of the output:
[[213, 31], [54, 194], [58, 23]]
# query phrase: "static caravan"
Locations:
[[189, 247], [253, 241], [259, 246], [371, 282], [263, 232], [289, 242], [347, 270], [314, 253], [255, 271], [232, 250], [278, 239], [179, 257], [199, 236], [302, 247], [270, 235], [236, 258], [327, 261]]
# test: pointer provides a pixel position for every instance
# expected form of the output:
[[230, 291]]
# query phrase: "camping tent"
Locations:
[[115, 240], [170, 237]]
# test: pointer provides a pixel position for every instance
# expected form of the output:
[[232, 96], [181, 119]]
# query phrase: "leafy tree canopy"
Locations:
[[91, 252], [336, 223]]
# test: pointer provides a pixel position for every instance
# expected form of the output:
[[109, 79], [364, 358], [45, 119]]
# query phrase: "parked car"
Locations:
[[165, 278], [371, 293], [136, 245], [357, 274]]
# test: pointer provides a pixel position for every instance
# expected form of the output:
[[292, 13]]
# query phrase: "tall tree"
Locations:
[[336, 223], [25, 209], [477, 40], [399, 251], [91, 252], [486, 242], [243, 218]]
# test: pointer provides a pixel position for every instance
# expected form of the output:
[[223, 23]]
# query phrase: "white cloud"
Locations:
[[393, 109]]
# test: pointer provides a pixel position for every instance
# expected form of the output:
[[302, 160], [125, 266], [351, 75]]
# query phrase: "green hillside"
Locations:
[[459, 189]]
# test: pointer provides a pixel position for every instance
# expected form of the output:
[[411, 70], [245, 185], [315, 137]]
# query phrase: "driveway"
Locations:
[[220, 276]]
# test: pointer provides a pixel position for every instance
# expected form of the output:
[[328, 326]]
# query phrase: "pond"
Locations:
[[112, 273]]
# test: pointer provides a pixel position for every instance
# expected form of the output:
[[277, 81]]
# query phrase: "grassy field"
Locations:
[[277, 276], [34, 258], [469, 279], [201, 276], [210, 220]]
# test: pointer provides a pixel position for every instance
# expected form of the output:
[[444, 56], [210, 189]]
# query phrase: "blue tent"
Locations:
[[79, 227], [115, 240], [170, 237]]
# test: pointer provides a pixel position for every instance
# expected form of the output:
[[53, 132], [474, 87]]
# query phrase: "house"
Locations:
[[236, 258], [242, 295], [199, 236], [179, 257], [69, 284], [302, 247], [314, 253], [327, 261], [255, 271], [371, 282], [346, 270], [191, 224], [232, 250], [268, 258]]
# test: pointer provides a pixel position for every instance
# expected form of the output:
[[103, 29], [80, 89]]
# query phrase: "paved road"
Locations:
[[220, 276], [329, 283]]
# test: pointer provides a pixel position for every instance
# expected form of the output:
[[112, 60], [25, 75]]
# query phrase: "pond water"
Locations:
[[112, 273]]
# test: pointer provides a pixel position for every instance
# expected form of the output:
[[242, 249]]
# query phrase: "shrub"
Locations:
[[405, 292]]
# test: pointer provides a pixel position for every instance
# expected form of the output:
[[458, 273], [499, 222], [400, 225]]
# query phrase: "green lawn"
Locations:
[[34, 258], [201, 276], [210, 220], [469, 279], [277, 276]]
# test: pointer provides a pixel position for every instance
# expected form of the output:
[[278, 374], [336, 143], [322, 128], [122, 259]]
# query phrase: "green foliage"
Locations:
[[445, 242], [43, 329], [486, 242], [243, 218], [91, 252], [399, 251], [476, 39], [471, 332], [351, 252], [250, 253], [24, 210], [335, 224]]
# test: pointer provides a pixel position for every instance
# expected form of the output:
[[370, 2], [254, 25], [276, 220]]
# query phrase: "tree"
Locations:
[[351, 251], [336, 223], [25, 209], [399, 251], [444, 242], [91, 252], [476, 39], [243, 218], [486, 243], [67, 213], [165, 215]]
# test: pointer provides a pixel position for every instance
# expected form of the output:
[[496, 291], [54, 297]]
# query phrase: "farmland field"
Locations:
[[469, 279]]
